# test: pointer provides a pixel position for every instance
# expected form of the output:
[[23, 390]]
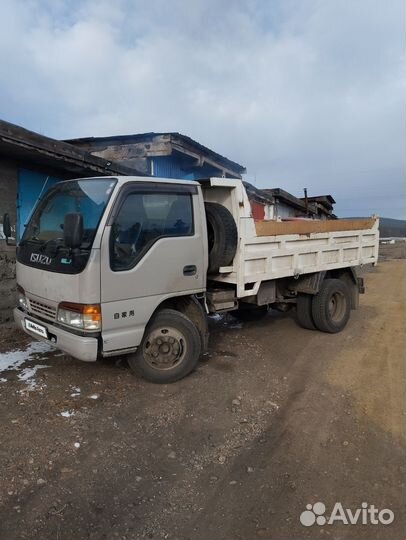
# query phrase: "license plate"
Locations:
[[36, 328]]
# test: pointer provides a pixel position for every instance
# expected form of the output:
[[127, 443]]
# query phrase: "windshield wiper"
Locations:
[[30, 241], [43, 247]]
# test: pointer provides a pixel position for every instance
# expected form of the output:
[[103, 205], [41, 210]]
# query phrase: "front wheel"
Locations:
[[331, 306], [170, 348]]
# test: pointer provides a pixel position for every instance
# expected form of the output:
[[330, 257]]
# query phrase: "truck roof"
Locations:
[[212, 181], [154, 179]]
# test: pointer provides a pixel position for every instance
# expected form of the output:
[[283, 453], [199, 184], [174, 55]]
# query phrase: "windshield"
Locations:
[[42, 244], [87, 197]]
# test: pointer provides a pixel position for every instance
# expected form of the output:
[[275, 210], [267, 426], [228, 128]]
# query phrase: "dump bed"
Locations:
[[276, 249]]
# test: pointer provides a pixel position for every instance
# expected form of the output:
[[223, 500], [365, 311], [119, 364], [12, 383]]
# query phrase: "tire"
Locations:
[[304, 315], [331, 307], [250, 314], [170, 348], [222, 236]]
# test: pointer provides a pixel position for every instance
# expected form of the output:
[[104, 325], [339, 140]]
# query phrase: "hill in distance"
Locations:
[[390, 227]]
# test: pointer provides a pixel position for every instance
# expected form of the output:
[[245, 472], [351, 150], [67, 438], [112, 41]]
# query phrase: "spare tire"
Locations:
[[222, 236]]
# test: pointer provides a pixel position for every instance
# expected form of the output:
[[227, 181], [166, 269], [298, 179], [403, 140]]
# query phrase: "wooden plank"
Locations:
[[276, 228]]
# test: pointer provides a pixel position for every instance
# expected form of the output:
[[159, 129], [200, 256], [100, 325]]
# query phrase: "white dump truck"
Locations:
[[133, 265]]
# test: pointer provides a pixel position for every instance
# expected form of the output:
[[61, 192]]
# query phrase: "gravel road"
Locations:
[[275, 418]]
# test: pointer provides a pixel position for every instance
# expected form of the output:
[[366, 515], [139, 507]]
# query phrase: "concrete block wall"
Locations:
[[8, 192], [8, 197], [7, 285]]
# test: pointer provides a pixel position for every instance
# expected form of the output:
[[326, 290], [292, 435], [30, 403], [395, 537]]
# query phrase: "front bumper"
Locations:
[[82, 348]]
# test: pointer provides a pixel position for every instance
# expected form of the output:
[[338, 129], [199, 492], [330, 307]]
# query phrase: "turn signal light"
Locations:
[[85, 316]]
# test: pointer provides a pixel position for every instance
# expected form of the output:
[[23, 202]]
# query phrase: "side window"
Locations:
[[144, 218]]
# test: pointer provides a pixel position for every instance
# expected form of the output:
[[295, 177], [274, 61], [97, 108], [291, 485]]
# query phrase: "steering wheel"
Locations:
[[127, 249]]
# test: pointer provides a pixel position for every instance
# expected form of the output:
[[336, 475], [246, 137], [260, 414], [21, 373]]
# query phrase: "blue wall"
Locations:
[[174, 167], [30, 186]]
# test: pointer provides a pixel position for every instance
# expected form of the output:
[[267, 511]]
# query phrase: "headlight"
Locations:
[[83, 316], [22, 301]]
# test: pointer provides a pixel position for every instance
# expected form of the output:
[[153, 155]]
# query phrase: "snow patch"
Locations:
[[27, 375], [67, 414], [14, 359]]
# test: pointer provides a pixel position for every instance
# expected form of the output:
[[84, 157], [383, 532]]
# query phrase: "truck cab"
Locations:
[[142, 241]]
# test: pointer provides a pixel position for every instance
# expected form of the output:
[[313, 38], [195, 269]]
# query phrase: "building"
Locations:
[[165, 155], [29, 164], [323, 204], [173, 155], [276, 203]]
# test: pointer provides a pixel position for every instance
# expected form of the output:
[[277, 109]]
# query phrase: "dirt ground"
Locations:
[[275, 418]]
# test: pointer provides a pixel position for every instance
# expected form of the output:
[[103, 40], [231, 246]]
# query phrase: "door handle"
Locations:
[[189, 270]]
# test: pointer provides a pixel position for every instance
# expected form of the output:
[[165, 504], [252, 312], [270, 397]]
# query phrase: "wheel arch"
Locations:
[[311, 283], [190, 306]]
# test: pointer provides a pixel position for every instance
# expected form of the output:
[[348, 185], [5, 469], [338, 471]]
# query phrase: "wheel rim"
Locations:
[[165, 348], [337, 306]]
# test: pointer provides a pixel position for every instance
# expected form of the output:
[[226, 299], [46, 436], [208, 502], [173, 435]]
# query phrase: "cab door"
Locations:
[[153, 248]]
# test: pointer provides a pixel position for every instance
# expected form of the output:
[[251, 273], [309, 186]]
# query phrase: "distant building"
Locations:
[[323, 204], [276, 203], [165, 155]]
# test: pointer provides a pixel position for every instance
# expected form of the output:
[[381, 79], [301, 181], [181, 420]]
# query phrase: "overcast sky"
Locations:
[[304, 93]]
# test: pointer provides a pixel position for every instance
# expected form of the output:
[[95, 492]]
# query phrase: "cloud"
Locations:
[[303, 93]]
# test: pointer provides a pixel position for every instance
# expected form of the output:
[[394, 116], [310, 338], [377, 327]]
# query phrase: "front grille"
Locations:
[[43, 310]]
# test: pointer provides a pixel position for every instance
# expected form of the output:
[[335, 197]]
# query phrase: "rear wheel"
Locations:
[[170, 349], [331, 307], [304, 311]]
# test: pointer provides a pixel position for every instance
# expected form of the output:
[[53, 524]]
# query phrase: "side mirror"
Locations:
[[73, 230], [7, 228]]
